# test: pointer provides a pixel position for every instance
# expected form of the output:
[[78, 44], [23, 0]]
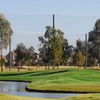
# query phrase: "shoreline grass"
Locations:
[[12, 97], [94, 96], [64, 88]]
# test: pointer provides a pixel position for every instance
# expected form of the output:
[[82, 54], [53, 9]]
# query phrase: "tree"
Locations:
[[51, 46], [21, 51], [68, 51], [94, 45], [30, 56], [79, 58], [25, 56], [56, 45], [81, 45], [5, 34], [65, 48]]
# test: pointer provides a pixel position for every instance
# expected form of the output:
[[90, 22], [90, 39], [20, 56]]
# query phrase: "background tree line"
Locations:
[[54, 48]]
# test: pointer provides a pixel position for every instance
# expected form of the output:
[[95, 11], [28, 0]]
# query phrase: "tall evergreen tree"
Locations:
[[94, 45]]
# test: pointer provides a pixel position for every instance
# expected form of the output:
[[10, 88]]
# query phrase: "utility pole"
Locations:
[[10, 52], [86, 50], [99, 57], [53, 21], [1, 60], [1, 41]]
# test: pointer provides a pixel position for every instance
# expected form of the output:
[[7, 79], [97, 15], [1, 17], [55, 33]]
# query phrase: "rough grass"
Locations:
[[10, 97], [78, 97], [84, 97]]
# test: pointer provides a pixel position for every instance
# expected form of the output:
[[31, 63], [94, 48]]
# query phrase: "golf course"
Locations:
[[69, 80]]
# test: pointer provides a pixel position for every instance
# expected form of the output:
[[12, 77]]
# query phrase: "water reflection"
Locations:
[[12, 86]]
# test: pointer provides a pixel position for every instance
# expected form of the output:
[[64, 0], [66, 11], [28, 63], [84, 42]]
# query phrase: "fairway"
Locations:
[[64, 80]]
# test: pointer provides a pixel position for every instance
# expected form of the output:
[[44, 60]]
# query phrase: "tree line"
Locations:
[[54, 48]]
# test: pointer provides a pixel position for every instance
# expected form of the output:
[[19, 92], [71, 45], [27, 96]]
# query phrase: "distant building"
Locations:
[[13, 57], [4, 59]]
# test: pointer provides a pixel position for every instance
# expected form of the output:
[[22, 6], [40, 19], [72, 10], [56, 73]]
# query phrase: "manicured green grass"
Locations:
[[69, 80], [10, 97]]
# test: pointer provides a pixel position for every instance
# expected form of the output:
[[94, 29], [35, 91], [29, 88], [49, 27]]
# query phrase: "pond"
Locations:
[[18, 88]]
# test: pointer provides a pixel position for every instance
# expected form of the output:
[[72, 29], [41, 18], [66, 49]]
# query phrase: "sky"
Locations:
[[29, 18]]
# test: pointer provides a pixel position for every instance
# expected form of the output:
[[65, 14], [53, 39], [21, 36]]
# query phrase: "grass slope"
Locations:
[[70, 80]]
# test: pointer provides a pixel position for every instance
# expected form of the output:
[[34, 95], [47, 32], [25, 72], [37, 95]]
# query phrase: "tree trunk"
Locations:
[[1, 62], [18, 68]]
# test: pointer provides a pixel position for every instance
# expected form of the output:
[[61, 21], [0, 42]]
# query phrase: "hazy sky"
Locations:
[[29, 18]]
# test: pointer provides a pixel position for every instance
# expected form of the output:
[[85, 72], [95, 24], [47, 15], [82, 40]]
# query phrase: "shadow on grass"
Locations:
[[49, 73], [15, 74], [34, 73]]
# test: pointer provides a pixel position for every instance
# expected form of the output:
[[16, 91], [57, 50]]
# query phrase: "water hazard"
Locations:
[[18, 88]]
